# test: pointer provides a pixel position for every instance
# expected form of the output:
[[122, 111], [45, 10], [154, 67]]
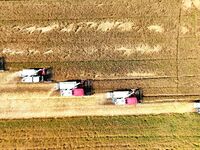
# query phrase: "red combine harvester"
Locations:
[[126, 96], [35, 75], [75, 88]]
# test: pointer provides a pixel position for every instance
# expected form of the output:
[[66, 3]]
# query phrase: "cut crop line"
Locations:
[[127, 37], [139, 78], [98, 136], [117, 78], [91, 18], [66, 129], [47, 2], [170, 100], [103, 60], [129, 78], [92, 97], [169, 95], [20, 87]]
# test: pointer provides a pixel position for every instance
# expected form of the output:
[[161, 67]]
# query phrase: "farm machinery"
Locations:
[[35, 75], [75, 88], [126, 96]]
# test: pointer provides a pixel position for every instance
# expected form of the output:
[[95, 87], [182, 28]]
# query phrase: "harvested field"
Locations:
[[118, 43], [155, 89], [106, 39], [90, 106], [20, 100], [171, 131]]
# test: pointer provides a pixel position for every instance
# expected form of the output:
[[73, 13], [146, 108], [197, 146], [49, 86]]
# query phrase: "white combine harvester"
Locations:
[[126, 96], [75, 88], [35, 75]]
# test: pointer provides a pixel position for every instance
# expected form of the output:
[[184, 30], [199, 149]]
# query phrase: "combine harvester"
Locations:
[[35, 75], [75, 88], [126, 96]]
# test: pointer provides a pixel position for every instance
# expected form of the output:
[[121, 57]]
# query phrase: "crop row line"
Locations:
[[104, 60], [123, 37], [80, 129], [69, 3], [96, 18], [69, 129], [98, 136], [88, 136]]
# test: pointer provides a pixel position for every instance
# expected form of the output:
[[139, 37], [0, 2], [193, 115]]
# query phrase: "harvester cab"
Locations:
[[35, 75], [75, 88], [126, 96]]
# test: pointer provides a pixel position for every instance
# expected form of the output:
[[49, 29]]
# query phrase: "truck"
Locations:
[[2, 64], [76, 88], [35, 75], [125, 96]]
